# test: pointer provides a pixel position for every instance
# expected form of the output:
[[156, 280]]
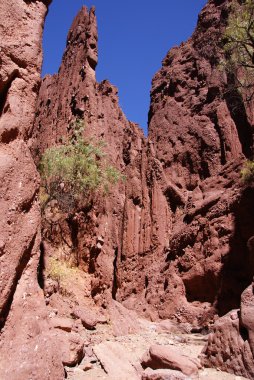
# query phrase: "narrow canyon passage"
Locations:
[[158, 268]]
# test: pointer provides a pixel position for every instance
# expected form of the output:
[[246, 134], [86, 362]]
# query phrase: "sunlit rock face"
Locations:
[[172, 236], [25, 338], [174, 240], [121, 234]]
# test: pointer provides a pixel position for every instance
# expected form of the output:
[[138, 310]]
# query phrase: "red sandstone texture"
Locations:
[[201, 131], [26, 347], [127, 226], [172, 241], [175, 240], [163, 357]]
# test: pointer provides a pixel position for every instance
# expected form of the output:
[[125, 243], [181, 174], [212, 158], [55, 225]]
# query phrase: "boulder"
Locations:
[[88, 318], [71, 347], [228, 347], [163, 374], [247, 315], [65, 324], [123, 321], [170, 326], [86, 366], [115, 360], [163, 357]]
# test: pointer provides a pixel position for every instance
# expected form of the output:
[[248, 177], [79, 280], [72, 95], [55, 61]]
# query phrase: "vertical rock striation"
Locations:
[[126, 228], [174, 240], [25, 335], [201, 133], [171, 241]]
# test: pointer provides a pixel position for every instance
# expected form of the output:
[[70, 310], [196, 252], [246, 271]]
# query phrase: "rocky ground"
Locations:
[[116, 357], [111, 342], [174, 242]]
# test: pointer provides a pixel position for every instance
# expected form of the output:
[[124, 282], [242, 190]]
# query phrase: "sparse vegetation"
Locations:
[[43, 197], [74, 172], [238, 42], [57, 270], [62, 273], [247, 173], [239, 48]]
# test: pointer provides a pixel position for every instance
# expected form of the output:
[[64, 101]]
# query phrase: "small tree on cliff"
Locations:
[[239, 48], [74, 172], [239, 64]]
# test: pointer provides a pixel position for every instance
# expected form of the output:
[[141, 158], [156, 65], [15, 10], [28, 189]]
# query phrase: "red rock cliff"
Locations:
[[174, 226], [202, 131], [25, 338], [174, 240], [129, 223]]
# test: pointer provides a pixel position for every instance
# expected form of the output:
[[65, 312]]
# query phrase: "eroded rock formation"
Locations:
[[202, 131], [124, 229], [200, 141], [25, 337], [174, 236], [175, 240], [172, 242]]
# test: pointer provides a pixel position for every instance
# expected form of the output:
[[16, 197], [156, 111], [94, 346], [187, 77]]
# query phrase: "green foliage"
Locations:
[[43, 197], [62, 273], [239, 47], [247, 173], [75, 171], [58, 270]]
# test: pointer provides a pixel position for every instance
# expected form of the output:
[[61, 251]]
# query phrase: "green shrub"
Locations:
[[238, 40], [75, 171], [58, 270], [43, 197], [62, 273], [247, 173]]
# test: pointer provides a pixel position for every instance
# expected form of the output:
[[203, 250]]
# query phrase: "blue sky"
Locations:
[[134, 37]]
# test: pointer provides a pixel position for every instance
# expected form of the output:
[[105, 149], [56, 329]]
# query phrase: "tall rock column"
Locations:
[[26, 350], [121, 229]]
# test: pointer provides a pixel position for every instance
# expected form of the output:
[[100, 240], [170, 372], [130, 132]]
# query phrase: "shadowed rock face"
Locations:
[[201, 133], [230, 344], [193, 125], [175, 236], [172, 241], [25, 334]]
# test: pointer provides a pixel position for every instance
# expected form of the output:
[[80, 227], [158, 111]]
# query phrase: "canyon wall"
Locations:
[[201, 132], [26, 347], [175, 234], [175, 239], [124, 229]]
